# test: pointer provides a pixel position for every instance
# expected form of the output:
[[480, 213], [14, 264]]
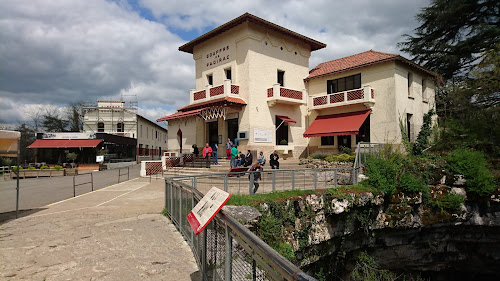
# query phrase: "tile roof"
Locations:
[[188, 47], [357, 61]]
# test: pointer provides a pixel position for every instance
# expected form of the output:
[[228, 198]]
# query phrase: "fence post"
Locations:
[[180, 208], [225, 183], [92, 180], [195, 184], [204, 256], [293, 179], [229, 254], [119, 175], [128, 172], [254, 270], [335, 176], [315, 178], [250, 184], [74, 188], [274, 180], [171, 199]]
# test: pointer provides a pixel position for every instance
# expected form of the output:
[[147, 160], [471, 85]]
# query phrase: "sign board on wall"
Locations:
[[218, 56], [99, 158], [68, 136], [260, 135], [206, 209]]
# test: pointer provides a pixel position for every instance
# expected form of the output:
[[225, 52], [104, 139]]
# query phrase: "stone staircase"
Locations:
[[224, 167]]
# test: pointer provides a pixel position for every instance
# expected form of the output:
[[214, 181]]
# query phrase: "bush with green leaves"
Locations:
[[317, 156], [473, 166], [14, 168], [31, 168], [410, 183], [340, 158], [57, 167], [345, 149], [383, 172], [447, 202], [44, 168]]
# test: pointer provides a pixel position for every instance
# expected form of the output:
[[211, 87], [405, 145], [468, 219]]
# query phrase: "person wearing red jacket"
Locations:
[[207, 152]]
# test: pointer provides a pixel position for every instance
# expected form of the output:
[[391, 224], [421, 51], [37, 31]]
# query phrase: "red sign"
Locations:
[[206, 209]]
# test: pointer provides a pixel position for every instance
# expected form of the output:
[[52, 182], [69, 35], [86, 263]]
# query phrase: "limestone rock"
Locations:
[[244, 214]]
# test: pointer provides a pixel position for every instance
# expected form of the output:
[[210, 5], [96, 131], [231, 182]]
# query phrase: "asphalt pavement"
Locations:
[[36, 193]]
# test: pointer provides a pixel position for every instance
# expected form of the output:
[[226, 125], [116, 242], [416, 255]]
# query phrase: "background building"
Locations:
[[113, 117]]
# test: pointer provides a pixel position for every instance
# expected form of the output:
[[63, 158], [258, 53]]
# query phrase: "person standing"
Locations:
[[207, 152], [215, 161], [257, 169], [261, 158], [273, 160], [234, 154], [195, 150], [229, 145]]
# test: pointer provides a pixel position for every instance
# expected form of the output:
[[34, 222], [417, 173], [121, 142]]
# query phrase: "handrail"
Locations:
[[281, 265]]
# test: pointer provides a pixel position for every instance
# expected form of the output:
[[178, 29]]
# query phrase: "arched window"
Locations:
[[100, 127], [120, 127]]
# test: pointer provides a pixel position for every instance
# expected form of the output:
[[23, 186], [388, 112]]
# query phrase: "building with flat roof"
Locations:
[[253, 84]]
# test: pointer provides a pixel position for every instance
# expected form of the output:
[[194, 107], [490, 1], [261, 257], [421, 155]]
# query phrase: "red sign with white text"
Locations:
[[206, 209]]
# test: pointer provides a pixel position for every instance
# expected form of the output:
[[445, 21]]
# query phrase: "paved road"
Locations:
[[115, 233], [36, 193]]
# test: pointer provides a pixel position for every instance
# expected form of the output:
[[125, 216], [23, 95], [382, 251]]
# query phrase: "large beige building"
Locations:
[[253, 83]]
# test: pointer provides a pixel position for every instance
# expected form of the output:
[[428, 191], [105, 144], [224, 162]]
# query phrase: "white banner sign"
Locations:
[[68, 136], [99, 158], [260, 135], [206, 209]]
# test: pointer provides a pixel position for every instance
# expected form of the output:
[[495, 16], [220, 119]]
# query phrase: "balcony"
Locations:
[[212, 93], [364, 96], [278, 94]]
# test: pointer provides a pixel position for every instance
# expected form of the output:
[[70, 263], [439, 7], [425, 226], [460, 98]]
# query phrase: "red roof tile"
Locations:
[[357, 61]]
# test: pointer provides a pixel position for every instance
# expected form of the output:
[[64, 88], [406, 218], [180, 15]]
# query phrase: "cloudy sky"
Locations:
[[54, 52]]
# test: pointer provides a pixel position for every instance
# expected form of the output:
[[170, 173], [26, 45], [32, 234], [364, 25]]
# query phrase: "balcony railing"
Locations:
[[278, 94], [217, 92], [364, 96]]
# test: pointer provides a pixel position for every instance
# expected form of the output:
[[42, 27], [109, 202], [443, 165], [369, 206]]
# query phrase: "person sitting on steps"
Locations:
[[273, 160]]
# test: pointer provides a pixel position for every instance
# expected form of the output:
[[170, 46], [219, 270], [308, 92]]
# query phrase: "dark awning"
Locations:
[[63, 143], [337, 124]]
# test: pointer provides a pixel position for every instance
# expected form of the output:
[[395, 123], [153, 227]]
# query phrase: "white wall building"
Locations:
[[253, 82]]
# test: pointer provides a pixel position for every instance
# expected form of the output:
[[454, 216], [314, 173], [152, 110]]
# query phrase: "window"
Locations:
[[343, 84], [141, 150], [281, 132], [424, 92], [364, 131], [100, 127], [228, 73], [329, 140], [281, 78], [410, 81], [119, 127], [210, 79], [147, 150], [408, 126]]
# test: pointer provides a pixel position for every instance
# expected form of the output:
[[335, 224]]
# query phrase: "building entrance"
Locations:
[[281, 132], [213, 132], [232, 128], [344, 141]]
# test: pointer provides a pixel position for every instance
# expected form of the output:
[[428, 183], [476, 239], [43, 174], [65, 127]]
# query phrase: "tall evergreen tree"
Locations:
[[454, 34]]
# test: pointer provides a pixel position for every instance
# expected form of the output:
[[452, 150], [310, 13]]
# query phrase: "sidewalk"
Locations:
[[115, 233]]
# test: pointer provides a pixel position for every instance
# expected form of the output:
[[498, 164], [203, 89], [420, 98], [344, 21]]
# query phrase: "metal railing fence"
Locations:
[[226, 250], [271, 180]]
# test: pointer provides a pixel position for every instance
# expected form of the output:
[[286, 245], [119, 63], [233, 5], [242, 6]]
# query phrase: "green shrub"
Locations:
[[472, 165], [57, 167], [31, 168], [346, 150], [448, 202], [409, 183], [44, 167], [14, 168], [382, 173], [318, 156], [340, 158], [283, 142]]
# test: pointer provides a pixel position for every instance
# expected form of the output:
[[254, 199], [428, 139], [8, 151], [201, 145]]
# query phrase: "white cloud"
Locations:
[[61, 51]]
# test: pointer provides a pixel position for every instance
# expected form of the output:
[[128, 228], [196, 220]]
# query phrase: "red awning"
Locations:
[[226, 101], [178, 115], [286, 119], [337, 124], [75, 143]]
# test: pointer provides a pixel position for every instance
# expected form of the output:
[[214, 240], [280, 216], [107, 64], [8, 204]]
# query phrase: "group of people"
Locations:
[[207, 152]]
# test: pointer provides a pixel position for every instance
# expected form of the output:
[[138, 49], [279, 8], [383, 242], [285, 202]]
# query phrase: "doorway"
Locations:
[[281, 132], [232, 128], [213, 132], [344, 141]]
